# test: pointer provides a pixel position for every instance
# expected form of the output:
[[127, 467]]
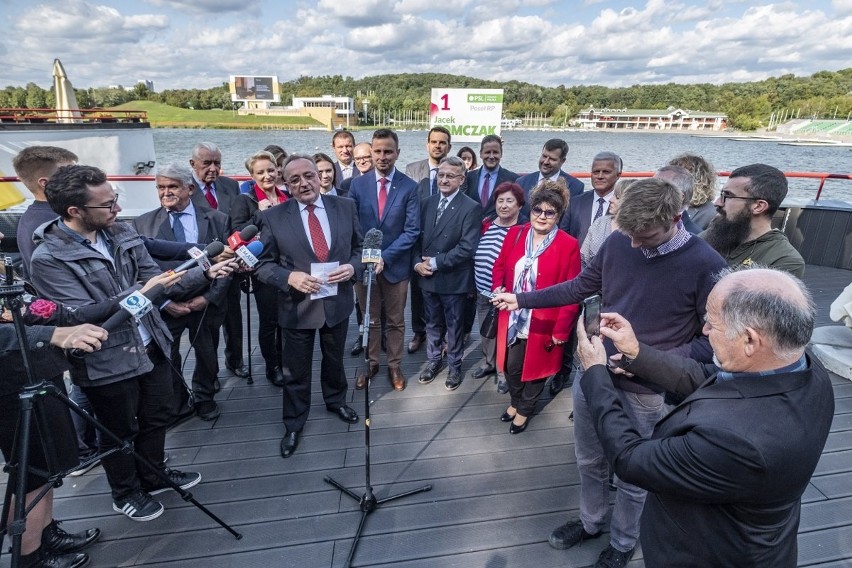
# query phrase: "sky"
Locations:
[[200, 43]]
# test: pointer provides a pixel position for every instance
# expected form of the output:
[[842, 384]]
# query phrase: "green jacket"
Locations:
[[771, 249]]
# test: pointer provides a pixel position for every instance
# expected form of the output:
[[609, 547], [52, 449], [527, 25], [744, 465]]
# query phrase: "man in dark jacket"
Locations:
[[726, 469]]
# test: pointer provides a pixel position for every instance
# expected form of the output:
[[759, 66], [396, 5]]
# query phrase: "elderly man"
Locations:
[[83, 258], [683, 180], [451, 223], [742, 229], [726, 469], [585, 208], [659, 276], [362, 155], [387, 200], [200, 309], [215, 191], [311, 253]]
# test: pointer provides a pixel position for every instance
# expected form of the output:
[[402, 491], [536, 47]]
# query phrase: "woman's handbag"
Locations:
[[488, 329]]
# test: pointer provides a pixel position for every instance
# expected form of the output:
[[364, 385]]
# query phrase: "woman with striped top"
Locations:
[[508, 200]]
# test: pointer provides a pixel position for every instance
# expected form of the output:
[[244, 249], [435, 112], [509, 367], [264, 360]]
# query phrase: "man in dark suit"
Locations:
[[219, 193], [423, 172], [726, 469], [343, 144], [388, 201], [451, 223], [480, 183], [201, 310], [550, 163], [306, 230], [363, 158], [585, 208]]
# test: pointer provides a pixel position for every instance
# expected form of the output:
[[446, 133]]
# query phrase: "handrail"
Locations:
[[42, 115], [821, 176]]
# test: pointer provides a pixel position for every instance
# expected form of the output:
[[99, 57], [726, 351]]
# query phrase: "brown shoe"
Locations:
[[416, 342], [364, 376], [397, 379]]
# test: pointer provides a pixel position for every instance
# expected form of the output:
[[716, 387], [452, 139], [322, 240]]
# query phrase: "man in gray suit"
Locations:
[[311, 228], [451, 223], [199, 309], [219, 193]]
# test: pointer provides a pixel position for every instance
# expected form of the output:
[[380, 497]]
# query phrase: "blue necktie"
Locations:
[[177, 226]]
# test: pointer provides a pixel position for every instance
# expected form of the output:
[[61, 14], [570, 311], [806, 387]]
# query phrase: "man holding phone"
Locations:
[[658, 276]]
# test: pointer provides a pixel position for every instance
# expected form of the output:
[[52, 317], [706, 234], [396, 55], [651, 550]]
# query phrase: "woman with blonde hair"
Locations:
[[701, 209]]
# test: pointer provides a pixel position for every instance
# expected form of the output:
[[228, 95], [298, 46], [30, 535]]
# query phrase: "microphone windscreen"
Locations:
[[255, 247], [248, 233], [373, 239], [214, 249]]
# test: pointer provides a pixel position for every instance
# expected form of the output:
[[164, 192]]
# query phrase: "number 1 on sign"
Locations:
[[446, 99]]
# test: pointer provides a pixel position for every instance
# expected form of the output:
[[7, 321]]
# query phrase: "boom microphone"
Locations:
[[241, 238], [136, 305], [200, 257]]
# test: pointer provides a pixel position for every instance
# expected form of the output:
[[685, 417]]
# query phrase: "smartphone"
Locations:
[[592, 315]]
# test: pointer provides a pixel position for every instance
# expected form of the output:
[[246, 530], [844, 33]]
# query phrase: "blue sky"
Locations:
[[199, 43]]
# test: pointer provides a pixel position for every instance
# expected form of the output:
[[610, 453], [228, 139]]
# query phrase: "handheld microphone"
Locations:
[[200, 257], [371, 253], [248, 254], [241, 238], [135, 305]]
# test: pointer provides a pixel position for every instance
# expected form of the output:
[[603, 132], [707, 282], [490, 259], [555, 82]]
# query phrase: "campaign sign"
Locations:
[[469, 114]]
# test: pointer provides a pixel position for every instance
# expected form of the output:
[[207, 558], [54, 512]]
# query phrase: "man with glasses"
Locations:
[[310, 230], [450, 223], [742, 229], [85, 257], [363, 157], [660, 274]]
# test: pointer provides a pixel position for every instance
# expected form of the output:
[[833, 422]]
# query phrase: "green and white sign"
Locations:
[[469, 114]]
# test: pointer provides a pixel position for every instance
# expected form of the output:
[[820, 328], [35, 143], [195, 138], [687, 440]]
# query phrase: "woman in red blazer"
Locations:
[[530, 342]]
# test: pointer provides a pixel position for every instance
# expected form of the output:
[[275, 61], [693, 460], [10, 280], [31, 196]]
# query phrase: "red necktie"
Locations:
[[483, 197], [317, 236], [383, 195], [211, 199]]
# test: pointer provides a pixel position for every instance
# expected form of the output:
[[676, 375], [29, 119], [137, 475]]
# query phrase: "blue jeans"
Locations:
[[645, 410]]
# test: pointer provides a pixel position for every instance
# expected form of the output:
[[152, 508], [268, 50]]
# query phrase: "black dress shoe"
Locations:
[[357, 347], [207, 410], [275, 376], [289, 444], [55, 539], [482, 372], [428, 374], [557, 383], [217, 386], [240, 371], [416, 342], [454, 380], [515, 429], [506, 417], [345, 413], [67, 560]]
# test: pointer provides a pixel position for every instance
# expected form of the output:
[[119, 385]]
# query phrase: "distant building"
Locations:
[[148, 84], [343, 108], [652, 119]]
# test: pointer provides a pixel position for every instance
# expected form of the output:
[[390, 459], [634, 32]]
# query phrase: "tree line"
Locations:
[[826, 94]]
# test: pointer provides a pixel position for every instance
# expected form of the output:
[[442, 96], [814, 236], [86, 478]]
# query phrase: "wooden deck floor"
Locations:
[[494, 500]]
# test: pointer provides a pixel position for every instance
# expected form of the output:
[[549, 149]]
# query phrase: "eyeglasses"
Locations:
[[363, 158], [726, 195], [295, 180], [448, 176], [111, 206], [546, 213]]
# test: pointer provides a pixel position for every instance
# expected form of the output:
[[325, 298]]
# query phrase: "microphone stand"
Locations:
[[31, 399], [367, 502], [246, 286]]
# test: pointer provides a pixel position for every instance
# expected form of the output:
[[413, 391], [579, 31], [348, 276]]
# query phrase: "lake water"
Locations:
[[640, 151]]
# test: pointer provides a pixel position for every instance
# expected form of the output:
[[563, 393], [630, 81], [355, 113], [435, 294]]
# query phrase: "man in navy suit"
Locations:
[[215, 191], [451, 223], [480, 184], [343, 143], [308, 229], [387, 200], [550, 163], [588, 206]]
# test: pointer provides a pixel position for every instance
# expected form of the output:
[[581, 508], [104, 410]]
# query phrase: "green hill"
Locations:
[[166, 116]]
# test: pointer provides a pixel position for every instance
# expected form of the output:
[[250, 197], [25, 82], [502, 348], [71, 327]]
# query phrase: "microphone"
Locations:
[[371, 253], [200, 257], [248, 254], [241, 238], [135, 305]]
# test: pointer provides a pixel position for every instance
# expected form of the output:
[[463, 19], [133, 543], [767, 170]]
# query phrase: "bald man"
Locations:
[[726, 469]]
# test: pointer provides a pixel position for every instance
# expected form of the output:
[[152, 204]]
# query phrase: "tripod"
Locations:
[[31, 400], [367, 502]]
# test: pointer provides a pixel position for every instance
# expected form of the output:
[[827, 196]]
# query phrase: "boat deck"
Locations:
[[494, 500]]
